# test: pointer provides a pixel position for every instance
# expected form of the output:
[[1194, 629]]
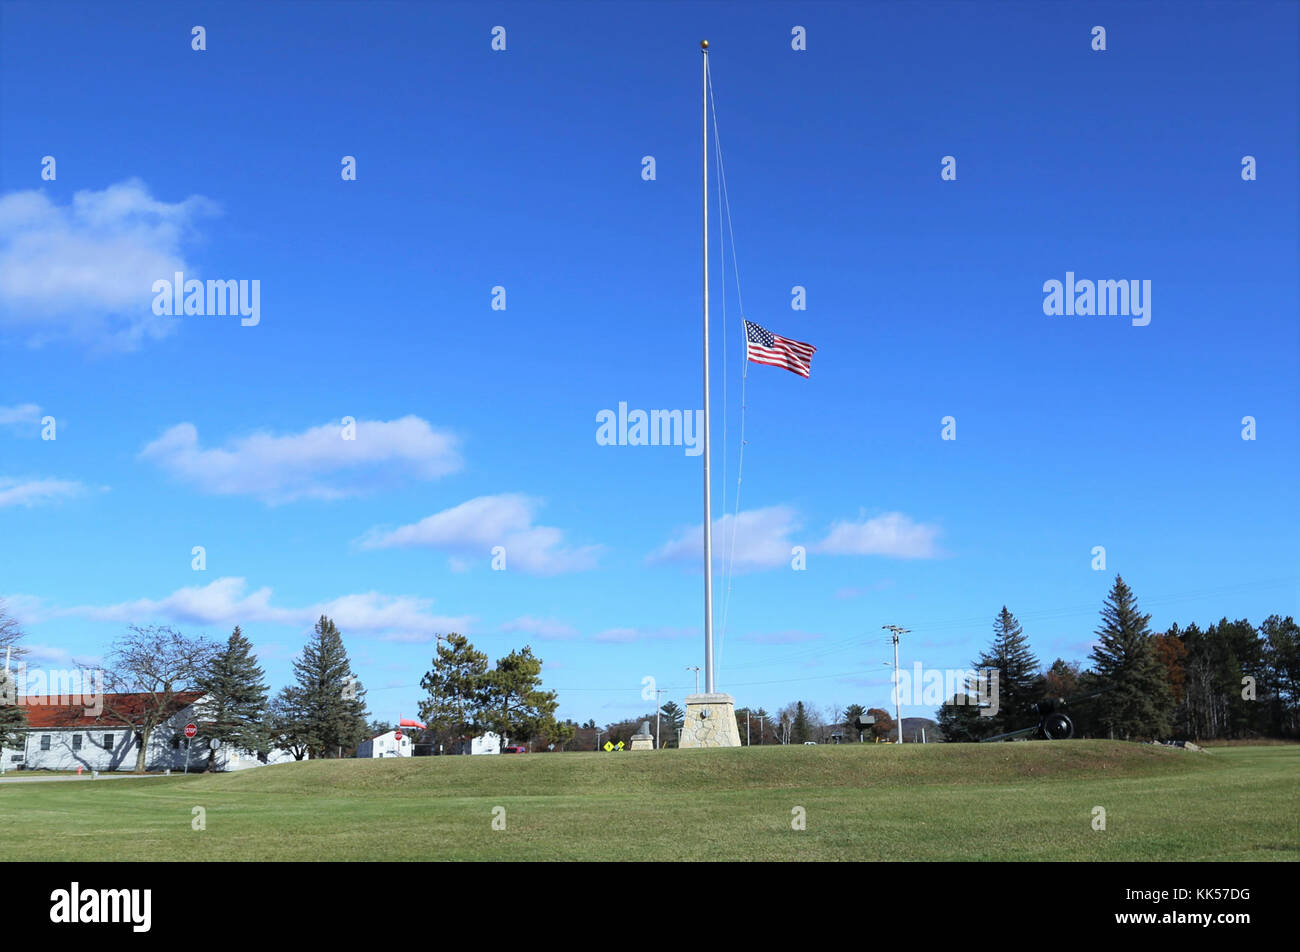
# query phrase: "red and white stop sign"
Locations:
[[398, 735], [190, 730]]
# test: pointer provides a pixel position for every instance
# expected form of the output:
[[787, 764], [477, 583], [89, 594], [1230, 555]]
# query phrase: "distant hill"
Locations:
[[912, 727]]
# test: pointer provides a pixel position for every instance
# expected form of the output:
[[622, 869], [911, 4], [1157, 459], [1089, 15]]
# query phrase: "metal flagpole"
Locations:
[[708, 502]]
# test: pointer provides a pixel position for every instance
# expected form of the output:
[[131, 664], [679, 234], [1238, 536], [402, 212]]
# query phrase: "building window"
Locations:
[[76, 742], [45, 742], [108, 741], [176, 743]]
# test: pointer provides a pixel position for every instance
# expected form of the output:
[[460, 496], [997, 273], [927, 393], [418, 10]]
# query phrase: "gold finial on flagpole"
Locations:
[[704, 44]]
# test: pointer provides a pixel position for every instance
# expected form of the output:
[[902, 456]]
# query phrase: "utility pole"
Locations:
[[898, 701], [658, 707], [598, 733], [761, 718], [746, 727]]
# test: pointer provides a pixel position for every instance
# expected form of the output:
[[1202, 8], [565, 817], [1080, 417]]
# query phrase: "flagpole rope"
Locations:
[[722, 261], [724, 200]]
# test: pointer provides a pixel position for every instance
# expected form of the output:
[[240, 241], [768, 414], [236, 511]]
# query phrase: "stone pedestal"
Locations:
[[643, 739], [710, 721]]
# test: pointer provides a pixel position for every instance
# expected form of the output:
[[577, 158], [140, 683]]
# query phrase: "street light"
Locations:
[[696, 669]]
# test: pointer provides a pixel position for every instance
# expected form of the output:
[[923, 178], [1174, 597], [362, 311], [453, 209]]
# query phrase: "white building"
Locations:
[[101, 735], [386, 745], [488, 743]]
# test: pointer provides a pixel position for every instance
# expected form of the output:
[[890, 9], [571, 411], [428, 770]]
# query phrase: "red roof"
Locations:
[[118, 710]]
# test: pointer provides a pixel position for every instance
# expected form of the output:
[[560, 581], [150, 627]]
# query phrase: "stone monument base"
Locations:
[[643, 741], [710, 721]]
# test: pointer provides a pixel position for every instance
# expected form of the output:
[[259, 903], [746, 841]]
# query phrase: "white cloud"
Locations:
[[765, 537], [630, 635], [85, 270], [891, 534], [50, 656], [781, 638], [228, 602], [762, 540], [476, 527], [315, 464], [36, 492], [21, 416], [547, 628]]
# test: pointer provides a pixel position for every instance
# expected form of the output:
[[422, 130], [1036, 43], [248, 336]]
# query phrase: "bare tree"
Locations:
[[10, 632], [154, 664]]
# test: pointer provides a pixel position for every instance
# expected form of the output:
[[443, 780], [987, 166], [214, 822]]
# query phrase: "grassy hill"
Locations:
[[860, 802]]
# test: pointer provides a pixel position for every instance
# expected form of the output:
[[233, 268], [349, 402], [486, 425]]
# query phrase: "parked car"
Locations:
[[514, 750], [810, 743]]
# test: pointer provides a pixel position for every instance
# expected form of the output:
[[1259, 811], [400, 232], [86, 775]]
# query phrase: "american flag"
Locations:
[[764, 347]]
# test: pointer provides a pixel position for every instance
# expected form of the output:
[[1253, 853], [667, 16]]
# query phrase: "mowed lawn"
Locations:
[[1021, 801]]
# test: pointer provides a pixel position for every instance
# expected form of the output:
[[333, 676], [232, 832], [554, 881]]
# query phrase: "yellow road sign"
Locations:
[[608, 746]]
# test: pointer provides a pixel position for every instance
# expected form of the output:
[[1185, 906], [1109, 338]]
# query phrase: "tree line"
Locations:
[[465, 699], [1229, 680], [321, 714]]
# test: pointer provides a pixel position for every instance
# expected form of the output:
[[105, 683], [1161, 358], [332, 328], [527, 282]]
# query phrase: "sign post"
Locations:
[[190, 732]]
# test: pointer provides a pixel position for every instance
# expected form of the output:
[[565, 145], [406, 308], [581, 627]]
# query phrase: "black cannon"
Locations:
[[1053, 722]]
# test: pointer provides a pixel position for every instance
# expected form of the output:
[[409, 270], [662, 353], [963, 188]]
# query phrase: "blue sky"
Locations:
[[476, 427]]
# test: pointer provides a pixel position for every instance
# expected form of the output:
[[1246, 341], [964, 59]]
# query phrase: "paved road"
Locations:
[[85, 776]]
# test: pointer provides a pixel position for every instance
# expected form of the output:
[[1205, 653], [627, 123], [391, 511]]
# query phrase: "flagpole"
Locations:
[[708, 502]]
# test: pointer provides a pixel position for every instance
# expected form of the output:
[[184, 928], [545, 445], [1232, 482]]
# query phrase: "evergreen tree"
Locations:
[[12, 718], [328, 697], [1282, 660], [851, 715], [1019, 683], [959, 720], [456, 683], [799, 732], [673, 718], [514, 704], [1062, 679], [286, 725], [1242, 673], [1137, 702], [235, 707]]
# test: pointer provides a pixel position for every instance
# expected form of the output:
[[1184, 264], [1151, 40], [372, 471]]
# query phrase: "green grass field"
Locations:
[[1024, 801]]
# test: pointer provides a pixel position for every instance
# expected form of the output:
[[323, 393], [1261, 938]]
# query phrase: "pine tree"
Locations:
[[1019, 683], [456, 684], [1282, 660], [851, 715], [673, 718], [959, 720], [235, 707], [1137, 702], [286, 725], [328, 698], [12, 718], [801, 729], [514, 704]]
